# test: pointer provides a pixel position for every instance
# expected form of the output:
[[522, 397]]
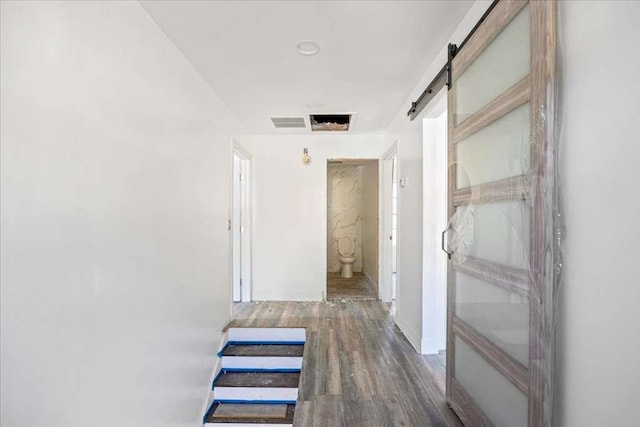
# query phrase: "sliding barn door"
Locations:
[[500, 282]]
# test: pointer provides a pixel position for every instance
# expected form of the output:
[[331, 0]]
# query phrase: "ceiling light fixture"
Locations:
[[308, 47]]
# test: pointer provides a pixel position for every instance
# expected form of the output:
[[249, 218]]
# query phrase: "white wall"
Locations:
[[115, 198], [434, 263], [290, 210], [408, 135], [370, 223], [599, 320]]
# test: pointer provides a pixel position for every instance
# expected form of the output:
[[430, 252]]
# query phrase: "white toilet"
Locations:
[[346, 249]]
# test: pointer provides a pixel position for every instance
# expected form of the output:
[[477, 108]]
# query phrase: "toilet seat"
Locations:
[[346, 247]]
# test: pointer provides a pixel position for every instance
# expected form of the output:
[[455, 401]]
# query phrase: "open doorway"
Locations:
[[434, 273], [389, 259], [352, 229], [241, 225], [394, 228]]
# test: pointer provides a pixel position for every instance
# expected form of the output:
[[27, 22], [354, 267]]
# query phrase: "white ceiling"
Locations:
[[372, 54]]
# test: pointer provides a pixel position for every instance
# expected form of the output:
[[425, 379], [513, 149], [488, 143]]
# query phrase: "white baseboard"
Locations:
[[256, 394], [412, 335], [261, 362], [428, 346], [283, 335]]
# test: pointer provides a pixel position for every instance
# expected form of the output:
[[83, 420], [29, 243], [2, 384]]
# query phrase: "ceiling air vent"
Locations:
[[288, 122], [330, 122]]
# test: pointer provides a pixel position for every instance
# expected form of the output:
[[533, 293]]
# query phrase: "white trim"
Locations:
[[236, 216], [256, 393], [391, 152], [214, 373], [246, 205], [283, 335], [434, 217], [410, 333], [261, 362], [385, 277], [241, 151]]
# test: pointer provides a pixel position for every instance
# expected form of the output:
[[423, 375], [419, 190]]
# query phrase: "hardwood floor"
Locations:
[[355, 288], [358, 369]]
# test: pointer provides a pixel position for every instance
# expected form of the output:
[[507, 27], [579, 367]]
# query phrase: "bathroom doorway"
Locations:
[[352, 229], [241, 225]]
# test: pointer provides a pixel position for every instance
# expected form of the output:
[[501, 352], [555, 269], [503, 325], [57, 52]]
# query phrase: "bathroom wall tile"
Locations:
[[344, 215]]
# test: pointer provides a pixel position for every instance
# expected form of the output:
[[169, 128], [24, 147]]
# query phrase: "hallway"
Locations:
[[358, 370]]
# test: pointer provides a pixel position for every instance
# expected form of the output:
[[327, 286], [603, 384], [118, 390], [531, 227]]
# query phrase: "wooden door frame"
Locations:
[[538, 187]]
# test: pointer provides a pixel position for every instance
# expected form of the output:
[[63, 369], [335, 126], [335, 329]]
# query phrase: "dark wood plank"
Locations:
[[258, 379], [268, 350]]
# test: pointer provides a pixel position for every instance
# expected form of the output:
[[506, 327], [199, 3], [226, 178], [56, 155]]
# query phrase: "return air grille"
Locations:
[[288, 122]]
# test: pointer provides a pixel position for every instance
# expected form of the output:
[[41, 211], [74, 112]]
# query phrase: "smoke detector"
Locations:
[[308, 47]]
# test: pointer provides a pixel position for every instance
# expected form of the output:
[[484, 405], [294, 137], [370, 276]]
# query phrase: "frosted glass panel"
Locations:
[[504, 62], [500, 150], [501, 401], [501, 316], [500, 234]]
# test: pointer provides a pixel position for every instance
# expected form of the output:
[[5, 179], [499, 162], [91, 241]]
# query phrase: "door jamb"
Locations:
[[247, 221], [385, 187]]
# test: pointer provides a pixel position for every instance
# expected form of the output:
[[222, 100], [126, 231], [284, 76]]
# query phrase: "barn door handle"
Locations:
[[443, 248]]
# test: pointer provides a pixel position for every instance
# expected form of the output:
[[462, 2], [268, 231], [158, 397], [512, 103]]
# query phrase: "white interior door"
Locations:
[[236, 224]]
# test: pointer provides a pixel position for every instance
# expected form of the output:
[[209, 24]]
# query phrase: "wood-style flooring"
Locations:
[[355, 288], [358, 369]]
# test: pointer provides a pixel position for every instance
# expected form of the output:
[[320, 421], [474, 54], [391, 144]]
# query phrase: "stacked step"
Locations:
[[258, 380]]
